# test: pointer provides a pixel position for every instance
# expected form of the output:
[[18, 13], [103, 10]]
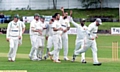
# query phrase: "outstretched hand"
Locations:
[[62, 9], [71, 12]]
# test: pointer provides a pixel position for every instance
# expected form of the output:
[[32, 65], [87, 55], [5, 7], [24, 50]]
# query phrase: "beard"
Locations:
[[82, 24], [65, 17], [57, 18], [36, 19]]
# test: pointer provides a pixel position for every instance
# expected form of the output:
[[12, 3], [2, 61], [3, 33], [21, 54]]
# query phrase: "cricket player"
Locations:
[[15, 30], [57, 42], [65, 23], [90, 41], [81, 33], [50, 38], [34, 32], [41, 37]]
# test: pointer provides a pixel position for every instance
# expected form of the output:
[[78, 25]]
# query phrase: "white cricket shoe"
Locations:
[[51, 57], [34, 59], [66, 58], [57, 61], [30, 57]]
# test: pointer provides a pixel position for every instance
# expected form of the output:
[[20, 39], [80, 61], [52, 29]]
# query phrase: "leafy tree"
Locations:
[[89, 3]]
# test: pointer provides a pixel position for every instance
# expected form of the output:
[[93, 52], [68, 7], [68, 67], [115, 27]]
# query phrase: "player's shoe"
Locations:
[[57, 61], [66, 59], [10, 60], [84, 61], [39, 58], [50, 56], [97, 64], [73, 60], [45, 57], [34, 59], [30, 57]]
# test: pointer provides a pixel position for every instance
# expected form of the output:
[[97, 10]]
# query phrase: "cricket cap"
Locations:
[[82, 20], [16, 16], [99, 21], [42, 17], [36, 14]]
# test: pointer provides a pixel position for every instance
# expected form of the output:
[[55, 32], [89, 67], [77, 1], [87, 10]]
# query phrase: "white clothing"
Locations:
[[57, 42], [50, 37], [65, 25], [41, 39], [33, 37], [91, 33], [14, 30], [81, 33], [34, 24]]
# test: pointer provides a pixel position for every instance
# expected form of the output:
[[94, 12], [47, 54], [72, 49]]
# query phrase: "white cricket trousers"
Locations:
[[57, 42], [50, 42], [87, 44], [34, 47], [13, 42], [78, 44], [65, 44], [40, 45]]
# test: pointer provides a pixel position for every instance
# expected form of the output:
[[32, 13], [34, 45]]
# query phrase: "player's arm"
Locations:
[[35, 30], [23, 30], [71, 12], [62, 9], [73, 22], [23, 27], [90, 27], [68, 27], [55, 29], [47, 31], [33, 27], [8, 32]]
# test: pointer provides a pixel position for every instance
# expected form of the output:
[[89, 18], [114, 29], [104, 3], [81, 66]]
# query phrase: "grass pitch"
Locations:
[[22, 62]]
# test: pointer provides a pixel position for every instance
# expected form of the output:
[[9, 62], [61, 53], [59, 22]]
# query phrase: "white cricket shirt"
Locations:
[[35, 24], [56, 24], [14, 29]]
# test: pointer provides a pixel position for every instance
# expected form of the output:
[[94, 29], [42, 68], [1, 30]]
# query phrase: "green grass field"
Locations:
[[22, 62], [104, 26]]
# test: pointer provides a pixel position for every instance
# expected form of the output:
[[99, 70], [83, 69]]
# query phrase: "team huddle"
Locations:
[[55, 33]]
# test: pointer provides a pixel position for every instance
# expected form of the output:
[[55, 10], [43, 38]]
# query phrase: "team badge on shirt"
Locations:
[[66, 23]]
